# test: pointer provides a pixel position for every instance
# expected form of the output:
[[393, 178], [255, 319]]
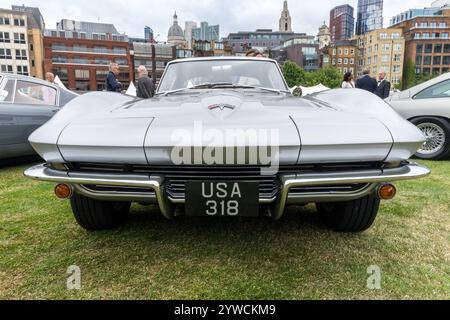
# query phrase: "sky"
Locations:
[[130, 16]]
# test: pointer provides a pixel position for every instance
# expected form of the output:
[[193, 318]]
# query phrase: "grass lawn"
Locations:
[[295, 258]]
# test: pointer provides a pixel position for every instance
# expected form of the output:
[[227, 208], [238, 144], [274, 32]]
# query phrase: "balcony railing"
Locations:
[[117, 51]]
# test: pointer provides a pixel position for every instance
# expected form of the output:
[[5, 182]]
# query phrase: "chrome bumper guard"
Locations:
[[155, 184]]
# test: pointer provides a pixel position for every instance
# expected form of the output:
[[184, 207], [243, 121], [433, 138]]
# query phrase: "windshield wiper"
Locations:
[[206, 85], [239, 86], [209, 85]]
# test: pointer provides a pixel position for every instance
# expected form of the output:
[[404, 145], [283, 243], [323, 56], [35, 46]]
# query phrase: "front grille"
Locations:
[[269, 186]]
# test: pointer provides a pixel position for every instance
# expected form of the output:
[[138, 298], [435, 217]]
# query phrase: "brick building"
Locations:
[[80, 54], [343, 55], [426, 33], [342, 22]]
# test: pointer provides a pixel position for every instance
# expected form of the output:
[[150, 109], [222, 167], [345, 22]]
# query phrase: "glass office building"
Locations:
[[370, 16]]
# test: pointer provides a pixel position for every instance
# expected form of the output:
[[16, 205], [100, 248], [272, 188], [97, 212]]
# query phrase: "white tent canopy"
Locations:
[[131, 90], [59, 83]]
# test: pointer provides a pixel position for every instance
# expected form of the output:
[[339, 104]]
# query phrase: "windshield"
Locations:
[[245, 73]]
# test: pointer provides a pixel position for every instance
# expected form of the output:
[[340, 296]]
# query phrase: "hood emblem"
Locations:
[[221, 107]]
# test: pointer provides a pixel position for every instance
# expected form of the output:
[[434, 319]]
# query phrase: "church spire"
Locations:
[[285, 20]]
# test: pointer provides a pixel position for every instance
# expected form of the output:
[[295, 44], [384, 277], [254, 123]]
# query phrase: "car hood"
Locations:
[[298, 130]]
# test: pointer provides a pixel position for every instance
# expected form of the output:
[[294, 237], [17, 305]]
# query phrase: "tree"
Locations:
[[409, 75], [293, 74]]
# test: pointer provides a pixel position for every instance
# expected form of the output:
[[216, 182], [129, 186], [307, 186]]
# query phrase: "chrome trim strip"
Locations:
[[261, 200], [406, 172], [42, 173], [330, 196], [112, 195]]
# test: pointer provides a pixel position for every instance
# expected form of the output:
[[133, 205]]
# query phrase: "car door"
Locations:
[[433, 101], [26, 106]]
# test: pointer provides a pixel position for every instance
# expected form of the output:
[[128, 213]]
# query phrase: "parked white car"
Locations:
[[428, 107]]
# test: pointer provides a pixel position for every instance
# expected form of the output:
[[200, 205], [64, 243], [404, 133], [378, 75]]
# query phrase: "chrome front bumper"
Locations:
[[153, 185]]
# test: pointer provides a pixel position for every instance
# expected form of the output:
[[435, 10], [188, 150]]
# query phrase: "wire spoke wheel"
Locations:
[[435, 138]]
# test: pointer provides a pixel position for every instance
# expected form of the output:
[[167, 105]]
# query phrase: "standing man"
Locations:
[[50, 77], [49, 94], [384, 87], [145, 88], [111, 80], [367, 82]]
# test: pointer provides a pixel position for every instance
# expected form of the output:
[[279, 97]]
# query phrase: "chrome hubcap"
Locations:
[[435, 138]]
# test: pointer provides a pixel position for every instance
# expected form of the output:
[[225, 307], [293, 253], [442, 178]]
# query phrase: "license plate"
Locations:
[[222, 199]]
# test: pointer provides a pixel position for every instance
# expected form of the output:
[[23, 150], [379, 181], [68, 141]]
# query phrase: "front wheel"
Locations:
[[437, 134], [350, 216], [98, 215]]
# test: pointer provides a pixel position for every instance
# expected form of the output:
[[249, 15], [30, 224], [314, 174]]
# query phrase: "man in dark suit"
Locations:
[[367, 82], [112, 84], [145, 88], [384, 87]]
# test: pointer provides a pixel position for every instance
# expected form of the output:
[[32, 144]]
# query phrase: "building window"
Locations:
[[23, 70], [447, 48], [21, 54], [397, 57], [60, 59], [418, 60], [427, 60], [437, 48], [19, 38], [119, 50], [419, 48], [340, 61], [81, 74], [6, 69], [396, 69], [4, 37], [346, 52], [436, 60], [398, 47], [446, 60], [444, 35], [395, 35], [352, 61], [5, 54], [121, 61], [386, 47], [346, 61], [78, 60], [19, 22], [4, 20], [383, 35], [428, 48]]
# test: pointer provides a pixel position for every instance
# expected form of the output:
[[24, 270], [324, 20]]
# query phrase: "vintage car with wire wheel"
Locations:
[[224, 137], [26, 103], [428, 107]]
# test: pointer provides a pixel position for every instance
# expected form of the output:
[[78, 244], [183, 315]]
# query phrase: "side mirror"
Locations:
[[297, 92]]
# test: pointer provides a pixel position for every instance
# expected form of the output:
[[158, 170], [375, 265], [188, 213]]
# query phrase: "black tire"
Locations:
[[98, 215], [444, 125], [350, 216]]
